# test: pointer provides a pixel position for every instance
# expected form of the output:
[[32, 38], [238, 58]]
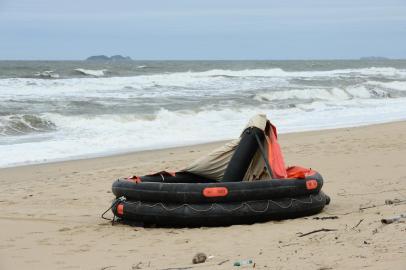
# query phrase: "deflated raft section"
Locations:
[[245, 181]]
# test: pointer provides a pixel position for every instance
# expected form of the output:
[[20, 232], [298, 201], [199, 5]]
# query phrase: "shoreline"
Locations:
[[51, 212], [186, 147]]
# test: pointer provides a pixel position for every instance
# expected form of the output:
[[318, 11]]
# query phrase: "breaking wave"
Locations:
[[47, 74], [278, 72], [327, 94], [91, 72], [13, 125]]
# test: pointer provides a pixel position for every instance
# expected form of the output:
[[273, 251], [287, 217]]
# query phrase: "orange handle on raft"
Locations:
[[215, 192], [120, 209], [311, 184]]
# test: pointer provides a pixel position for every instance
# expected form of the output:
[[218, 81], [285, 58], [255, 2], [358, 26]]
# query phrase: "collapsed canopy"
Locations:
[[245, 158]]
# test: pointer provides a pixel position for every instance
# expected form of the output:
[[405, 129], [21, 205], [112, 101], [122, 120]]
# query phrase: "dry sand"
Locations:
[[50, 213]]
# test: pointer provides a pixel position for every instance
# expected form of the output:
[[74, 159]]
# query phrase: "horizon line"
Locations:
[[377, 58]]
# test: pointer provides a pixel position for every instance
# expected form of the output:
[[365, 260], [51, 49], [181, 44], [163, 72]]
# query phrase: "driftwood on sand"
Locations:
[[316, 231]]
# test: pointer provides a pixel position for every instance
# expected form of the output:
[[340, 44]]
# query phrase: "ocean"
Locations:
[[59, 110]]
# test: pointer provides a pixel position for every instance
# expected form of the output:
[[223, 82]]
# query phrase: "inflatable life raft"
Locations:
[[195, 198]]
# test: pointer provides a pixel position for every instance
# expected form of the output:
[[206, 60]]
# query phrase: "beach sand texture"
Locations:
[[50, 213]]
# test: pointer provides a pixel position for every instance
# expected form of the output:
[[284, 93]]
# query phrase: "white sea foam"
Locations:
[[305, 94], [396, 85], [138, 86], [358, 91], [277, 72], [328, 94]]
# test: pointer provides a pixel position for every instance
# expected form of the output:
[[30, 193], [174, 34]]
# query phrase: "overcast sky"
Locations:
[[202, 29]]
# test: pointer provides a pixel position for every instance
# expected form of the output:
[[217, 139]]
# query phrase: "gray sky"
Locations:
[[202, 29]]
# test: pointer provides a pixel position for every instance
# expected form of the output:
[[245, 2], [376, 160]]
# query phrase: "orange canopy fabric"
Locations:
[[275, 156], [299, 172]]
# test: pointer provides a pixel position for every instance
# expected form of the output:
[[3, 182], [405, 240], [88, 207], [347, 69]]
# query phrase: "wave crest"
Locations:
[[91, 72], [13, 125], [326, 94]]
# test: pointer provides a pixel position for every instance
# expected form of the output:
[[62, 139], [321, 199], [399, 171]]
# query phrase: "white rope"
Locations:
[[243, 204]]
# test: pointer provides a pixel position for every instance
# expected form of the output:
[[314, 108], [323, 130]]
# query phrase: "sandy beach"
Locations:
[[50, 213]]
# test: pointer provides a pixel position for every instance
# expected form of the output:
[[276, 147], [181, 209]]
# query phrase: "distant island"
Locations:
[[106, 58], [374, 58]]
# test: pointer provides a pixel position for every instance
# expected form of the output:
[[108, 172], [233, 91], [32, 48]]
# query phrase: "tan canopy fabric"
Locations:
[[214, 164]]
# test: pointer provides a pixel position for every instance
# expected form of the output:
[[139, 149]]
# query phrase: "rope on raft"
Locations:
[[213, 205]]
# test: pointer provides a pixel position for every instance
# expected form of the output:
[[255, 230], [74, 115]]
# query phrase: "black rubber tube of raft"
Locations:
[[236, 191], [179, 177], [218, 214], [243, 154]]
